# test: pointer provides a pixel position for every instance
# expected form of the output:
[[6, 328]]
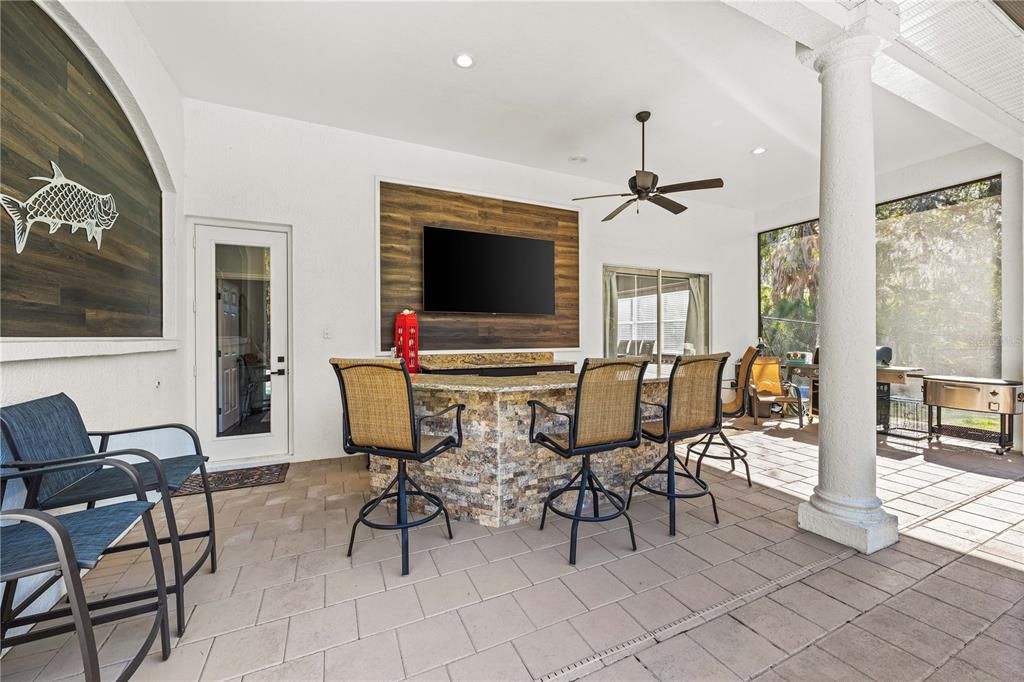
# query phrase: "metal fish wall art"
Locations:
[[61, 201]]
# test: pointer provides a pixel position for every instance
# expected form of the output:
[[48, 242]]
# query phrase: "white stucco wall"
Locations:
[[321, 181]]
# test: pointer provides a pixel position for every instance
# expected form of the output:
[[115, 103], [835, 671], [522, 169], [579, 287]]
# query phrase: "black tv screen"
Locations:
[[474, 272]]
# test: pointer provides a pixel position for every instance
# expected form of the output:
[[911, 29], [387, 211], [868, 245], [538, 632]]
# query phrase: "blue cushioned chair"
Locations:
[[35, 542], [50, 430]]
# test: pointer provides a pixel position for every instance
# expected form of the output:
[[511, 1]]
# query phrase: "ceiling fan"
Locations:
[[643, 186]]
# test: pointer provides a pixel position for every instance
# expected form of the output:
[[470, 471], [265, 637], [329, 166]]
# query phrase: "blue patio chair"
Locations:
[[35, 542], [49, 430]]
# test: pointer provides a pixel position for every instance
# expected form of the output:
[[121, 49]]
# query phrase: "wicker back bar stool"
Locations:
[[606, 417], [739, 406], [379, 419], [694, 408]]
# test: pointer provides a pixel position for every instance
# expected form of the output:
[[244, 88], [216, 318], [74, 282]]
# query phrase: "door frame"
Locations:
[[192, 334]]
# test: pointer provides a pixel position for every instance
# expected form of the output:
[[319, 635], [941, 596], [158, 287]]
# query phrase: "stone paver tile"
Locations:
[[300, 543], [766, 528], [1008, 630], [940, 556], [814, 605], [377, 549], [998, 659], [501, 546], [654, 608], [744, 651], [993, 564], [432, 642], [977, 521], [446, 593], [244, 651], [697, 592], [276, 527], [421, 567], [638, 572], [543, 564], [814, 665], [500, 577], [607, 626], [986, 581], [710, 549], [457, 557], [307, 669], [495, 621], [780, 626], [940, 615], [371, 658], [848, 590], [322, 561], [548, 603], [957, 670], [876, 575], [904, 563], [263, 574], [628, 669], [354, 583], [734, 577], [500, 664], [798, 552], [287, 600], [768, 564], [681, 658], [741, 539], [909, 634], [676, 560], [217, 617], [386, 610], [539, 539], [960, 530], [204, 587], [184, 665], [872, 656], [547, 650], [617, 542], [596, 586], [967, 598], [689, 525], [321, 629], [589, 552]]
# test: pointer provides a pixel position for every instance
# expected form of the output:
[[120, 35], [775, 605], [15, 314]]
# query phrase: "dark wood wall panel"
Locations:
[[54, 107], [405, 210]]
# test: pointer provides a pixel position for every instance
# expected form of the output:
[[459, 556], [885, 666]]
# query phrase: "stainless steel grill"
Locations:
[[991, 396]]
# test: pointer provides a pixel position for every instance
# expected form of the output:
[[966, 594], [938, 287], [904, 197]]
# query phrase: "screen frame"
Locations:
[[423, 278]]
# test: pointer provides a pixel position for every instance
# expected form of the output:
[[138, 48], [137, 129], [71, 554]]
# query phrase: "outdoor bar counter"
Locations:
[[498, 478]]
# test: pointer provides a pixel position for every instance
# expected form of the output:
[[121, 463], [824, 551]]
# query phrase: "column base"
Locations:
[[865, 532]]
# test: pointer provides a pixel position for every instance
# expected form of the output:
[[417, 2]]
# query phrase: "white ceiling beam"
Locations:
[[900, 70]]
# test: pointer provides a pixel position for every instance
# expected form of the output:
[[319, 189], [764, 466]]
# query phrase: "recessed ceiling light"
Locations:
[[463, 60], [757, 151], [578, 158]]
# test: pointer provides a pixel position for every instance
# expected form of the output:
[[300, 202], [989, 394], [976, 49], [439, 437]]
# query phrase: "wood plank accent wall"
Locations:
[[405, 210], [54, 106]]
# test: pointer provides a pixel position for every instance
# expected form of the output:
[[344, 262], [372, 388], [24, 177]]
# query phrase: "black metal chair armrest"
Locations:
[[534, 404], [83, 460], [29, 469], [49, 523], [458, 407], [189, 431]]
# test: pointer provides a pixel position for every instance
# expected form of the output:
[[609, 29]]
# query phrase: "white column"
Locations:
[[844, 506]]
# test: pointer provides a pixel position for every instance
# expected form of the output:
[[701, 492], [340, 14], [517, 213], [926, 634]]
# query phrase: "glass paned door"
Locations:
[[241, 341]]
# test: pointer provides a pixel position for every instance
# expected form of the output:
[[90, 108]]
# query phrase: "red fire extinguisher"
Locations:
[[407, 339]]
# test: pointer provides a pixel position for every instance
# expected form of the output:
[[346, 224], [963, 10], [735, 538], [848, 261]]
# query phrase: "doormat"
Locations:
[[234, 478]]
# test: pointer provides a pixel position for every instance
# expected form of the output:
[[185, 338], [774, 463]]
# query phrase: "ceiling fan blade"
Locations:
[[645, 179], [617, 211], [667, 204], [602, 196], [712, 183]]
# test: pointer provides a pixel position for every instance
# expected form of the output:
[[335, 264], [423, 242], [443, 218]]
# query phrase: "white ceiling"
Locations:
[[551, 80]]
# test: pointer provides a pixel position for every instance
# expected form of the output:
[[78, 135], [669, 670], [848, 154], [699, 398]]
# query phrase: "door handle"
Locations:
[[280, 372]]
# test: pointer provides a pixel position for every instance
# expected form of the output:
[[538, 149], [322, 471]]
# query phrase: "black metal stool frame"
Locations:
[[671, 460], [402, 481], [82, 621], [586, 477]]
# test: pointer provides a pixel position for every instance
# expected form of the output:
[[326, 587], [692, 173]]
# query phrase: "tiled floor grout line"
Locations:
[[953, 506]]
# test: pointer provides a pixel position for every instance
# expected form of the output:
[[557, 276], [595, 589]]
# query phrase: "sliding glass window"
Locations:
[[938, 281], [655, 313]]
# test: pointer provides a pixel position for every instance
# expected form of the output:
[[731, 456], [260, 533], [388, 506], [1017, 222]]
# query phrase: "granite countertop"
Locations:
[[549, 381]]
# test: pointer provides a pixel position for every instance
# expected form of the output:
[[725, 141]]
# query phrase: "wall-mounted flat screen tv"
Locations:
[[476, 272]]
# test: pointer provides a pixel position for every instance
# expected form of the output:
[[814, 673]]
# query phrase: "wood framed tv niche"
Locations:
[[405, 210]]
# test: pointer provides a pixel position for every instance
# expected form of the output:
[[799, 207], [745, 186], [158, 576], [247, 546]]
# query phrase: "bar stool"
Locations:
[[606, 417], [379, 419], [737, 407], [694, 408]]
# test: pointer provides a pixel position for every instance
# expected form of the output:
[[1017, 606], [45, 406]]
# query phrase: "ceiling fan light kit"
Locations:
[[643, 186]]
